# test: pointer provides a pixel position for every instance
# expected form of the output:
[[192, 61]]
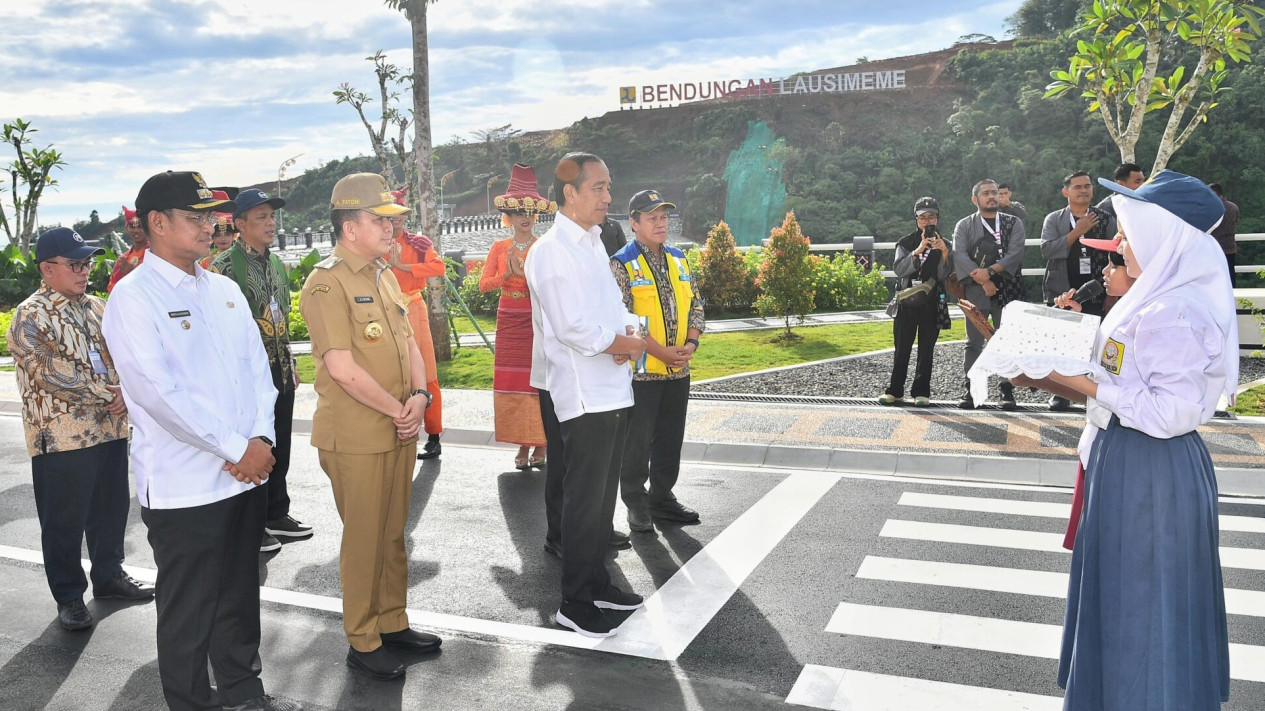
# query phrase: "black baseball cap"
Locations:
[[252, 198], [647, 201], [926, 204], [183, 190], [64, 242]]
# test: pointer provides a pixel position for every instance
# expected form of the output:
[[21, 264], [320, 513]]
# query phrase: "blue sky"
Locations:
[[128, 88]]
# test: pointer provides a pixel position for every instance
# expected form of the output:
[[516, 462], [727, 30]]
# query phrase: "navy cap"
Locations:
[[64, 242], [926, 204], [1186, 197], [647, 201], [251, 198]]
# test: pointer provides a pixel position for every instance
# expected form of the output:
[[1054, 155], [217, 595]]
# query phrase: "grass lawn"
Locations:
[[487, 323], [721, 354], [1251, 402]]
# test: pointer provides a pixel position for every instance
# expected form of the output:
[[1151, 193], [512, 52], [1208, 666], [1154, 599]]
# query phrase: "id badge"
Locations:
[[98, 363], [1085, 266], [275, 309]]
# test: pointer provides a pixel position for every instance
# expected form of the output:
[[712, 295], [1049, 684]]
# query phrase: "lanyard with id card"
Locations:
[[275, 309]]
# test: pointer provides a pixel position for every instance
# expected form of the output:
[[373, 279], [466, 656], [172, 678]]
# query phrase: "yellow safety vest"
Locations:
[[645, 297]]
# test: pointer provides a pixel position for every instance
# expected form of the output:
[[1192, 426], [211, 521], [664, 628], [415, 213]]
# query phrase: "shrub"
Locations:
[[840, 284], [298, 327], [786, 275], [477, 301], [724, 282], [6, 320]]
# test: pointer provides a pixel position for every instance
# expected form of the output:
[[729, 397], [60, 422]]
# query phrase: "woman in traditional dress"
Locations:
[[516, 403], [1146, 621]]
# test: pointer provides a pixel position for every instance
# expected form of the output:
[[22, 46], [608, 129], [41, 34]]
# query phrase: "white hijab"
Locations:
[[1176, 260]]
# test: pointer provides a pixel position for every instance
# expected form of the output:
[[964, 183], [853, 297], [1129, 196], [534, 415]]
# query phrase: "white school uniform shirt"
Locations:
[[195, 379], [576, 312], [1167, 370]]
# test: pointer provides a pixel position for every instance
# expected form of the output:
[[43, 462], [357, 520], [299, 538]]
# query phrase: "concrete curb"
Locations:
[[1231, 481]]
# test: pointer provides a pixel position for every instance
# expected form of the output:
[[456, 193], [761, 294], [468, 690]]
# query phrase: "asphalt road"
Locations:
[[837, 591]]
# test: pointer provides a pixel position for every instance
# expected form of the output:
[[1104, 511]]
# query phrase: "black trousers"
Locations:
[[283, 414], [580, 493], [910, 324], [208, 599], [1234, 277], [652, 450], [82, 492]]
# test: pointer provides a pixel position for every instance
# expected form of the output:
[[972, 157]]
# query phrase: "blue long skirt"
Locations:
[[1145, 625]]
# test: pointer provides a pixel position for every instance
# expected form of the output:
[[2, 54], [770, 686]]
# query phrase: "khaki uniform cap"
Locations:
[[365, 191]]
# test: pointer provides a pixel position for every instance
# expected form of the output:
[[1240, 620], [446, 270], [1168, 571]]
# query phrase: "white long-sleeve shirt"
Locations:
[[195, 379], [576, 312], [1168, 369]]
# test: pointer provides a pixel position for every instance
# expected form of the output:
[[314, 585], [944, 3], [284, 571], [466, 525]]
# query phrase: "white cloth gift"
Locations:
[[1035, 341]]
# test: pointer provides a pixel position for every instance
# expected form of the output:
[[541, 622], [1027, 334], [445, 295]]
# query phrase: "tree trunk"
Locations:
[[425, 186]]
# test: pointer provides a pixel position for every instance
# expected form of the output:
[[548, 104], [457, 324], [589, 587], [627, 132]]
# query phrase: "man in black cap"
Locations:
[[196, 381], [922, 257], [262, 277], [76, 429], [656, 285]]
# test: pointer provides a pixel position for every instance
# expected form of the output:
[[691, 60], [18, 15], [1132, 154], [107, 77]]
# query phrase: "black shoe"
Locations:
[[378, 664], [288, 527], [967, 402], [673, 511], [585, 618], [553, 548], [123, 587], [619, 539], [266, 703], [410, 640], [639, 520], [74, 615], [269, 544], [1060, 404], [1008, 399], [431, 449], [615, 599]]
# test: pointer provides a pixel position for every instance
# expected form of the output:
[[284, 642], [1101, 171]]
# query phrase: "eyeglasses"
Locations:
[[78, 267], [201, 219]]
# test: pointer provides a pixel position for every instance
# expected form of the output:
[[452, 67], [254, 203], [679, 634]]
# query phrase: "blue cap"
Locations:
[[64, 242], [254, 197], [1187, 198]]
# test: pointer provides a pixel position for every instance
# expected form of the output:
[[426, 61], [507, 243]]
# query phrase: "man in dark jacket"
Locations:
[[922, 256]]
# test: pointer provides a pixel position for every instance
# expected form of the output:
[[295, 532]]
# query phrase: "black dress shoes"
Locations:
[[619, 539], [431, 449], [123, 587], [74, 615], [410, 640], [1008, 398], [378, 664], [673, 511], [266, 703], [639, 520]]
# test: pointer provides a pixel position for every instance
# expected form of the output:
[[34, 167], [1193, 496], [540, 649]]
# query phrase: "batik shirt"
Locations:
[[63, 399], [264, 286]]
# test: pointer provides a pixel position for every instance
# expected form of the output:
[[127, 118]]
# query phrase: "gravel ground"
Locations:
[[867, 377]]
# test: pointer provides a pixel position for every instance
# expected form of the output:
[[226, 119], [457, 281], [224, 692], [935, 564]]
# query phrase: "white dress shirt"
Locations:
[[1171, 374], [576, 312], [195, 378]]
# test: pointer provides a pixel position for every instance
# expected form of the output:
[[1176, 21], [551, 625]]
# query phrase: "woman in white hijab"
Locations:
[[1146, 622]]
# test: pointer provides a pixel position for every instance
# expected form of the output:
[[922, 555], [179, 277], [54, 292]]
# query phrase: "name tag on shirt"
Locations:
[[98, 363], [178, 314], [364, 299]]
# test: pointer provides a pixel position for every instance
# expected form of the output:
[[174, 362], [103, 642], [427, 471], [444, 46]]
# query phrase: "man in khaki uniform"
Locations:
[[371, 396]]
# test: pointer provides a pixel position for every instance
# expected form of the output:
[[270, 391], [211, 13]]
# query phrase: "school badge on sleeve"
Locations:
[[1112, 356]]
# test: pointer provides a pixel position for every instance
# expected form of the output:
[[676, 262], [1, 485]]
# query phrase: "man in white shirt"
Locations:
[[579, 364], [196, 382]]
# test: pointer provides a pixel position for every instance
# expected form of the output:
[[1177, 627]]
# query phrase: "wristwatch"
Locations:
[[423, 391], [694, 341], [265, 440]]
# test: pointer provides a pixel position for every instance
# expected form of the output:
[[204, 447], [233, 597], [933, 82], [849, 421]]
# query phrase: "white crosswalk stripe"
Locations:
[[828, 687]]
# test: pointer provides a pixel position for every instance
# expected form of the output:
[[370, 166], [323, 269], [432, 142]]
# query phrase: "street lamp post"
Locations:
[[281, 174]]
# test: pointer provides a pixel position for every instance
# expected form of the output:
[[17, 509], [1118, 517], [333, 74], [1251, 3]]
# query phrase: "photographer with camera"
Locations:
[[987, 256], [922, 265]]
